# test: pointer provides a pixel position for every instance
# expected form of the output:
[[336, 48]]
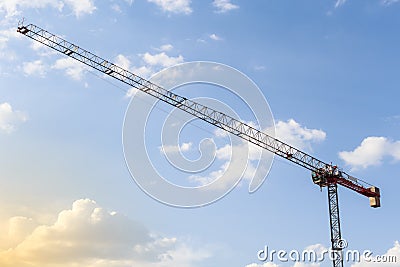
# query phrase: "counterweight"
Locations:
[[323, 174]]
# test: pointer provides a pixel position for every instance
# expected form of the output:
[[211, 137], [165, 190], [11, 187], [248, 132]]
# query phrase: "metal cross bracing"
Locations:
[[324, 174], [336, 236]]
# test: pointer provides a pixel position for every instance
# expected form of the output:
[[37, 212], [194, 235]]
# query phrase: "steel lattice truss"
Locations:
[[336, 236], [207, 114], [198, 110], [220, 120]]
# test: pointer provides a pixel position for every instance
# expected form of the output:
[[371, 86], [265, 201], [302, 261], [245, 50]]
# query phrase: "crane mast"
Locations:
[[323, 174]]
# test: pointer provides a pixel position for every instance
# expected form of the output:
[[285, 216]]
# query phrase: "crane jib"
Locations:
[[323, 174], [198, 110]]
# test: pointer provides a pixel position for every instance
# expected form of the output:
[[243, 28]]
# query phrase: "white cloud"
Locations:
[[131, 92], [174, 6], [223, 6], [6, 35], [89, 235], [371, 152], [267, 264], [116, 8], [42, 50], [9, 118], [73, 68], [123, 62], [13, 8], [389, 2], [393, 252], [175, 149], [166, 47], [259, 68], [151, 63], [150, 60], [339, 3], [215, 37], [81, 7], [301, 264], [294, 134], [186, 146], [34, 68], [220, 133], [230, 170], [37, 46], [243, 159], [143, 71], [318, 248], [161, 59], [238, 160]]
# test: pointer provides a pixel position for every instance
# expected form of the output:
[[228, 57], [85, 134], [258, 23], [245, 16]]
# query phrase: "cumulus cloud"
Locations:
[[392, 253], [89, 235], [174, 6], [79, 7], [151, 64], [296, 135], [10, 118], [371, 152], [34, 68], [6, 35], [143, 71], [13, 8], [223, 6], [37, 46], [73, 68], [215, 37], [176, 149], [239, 160], [123, 62], [166, 47], [243, 159], [156, 61], [161, 59]]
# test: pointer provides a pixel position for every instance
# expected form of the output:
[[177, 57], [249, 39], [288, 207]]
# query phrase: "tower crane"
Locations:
[[323, 174]]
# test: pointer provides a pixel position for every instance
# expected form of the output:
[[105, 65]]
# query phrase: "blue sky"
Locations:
[[328, 69]]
